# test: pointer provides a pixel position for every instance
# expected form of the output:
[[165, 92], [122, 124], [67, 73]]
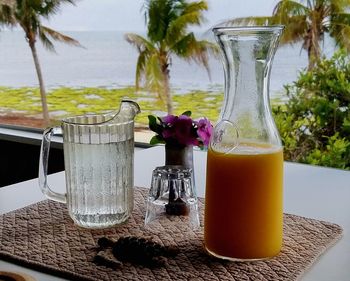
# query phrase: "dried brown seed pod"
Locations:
[[140, 250], [106, 258]]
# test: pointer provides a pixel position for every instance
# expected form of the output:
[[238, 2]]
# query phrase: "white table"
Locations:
[[314, 192]]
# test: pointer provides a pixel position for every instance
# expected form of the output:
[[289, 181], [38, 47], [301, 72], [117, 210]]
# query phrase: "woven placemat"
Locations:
[[43, 237]]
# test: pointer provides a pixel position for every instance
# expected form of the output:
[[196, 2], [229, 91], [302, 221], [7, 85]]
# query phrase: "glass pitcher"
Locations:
[[244, 184], [98, 159]]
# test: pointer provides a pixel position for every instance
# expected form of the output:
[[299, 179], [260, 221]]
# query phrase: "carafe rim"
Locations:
[[253, 28]]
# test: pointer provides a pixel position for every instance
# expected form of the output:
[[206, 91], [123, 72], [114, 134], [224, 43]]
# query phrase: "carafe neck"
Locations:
[[247, 54]]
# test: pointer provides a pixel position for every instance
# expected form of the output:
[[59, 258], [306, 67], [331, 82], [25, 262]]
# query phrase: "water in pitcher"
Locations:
[[99, 181]]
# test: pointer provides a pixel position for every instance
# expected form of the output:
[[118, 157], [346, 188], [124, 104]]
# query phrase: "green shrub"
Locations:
[[315, 122]]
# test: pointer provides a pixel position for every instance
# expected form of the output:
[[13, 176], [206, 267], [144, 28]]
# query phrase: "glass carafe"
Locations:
[[244, 185]]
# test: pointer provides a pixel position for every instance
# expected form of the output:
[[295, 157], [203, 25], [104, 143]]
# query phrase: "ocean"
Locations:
[[107, 60]]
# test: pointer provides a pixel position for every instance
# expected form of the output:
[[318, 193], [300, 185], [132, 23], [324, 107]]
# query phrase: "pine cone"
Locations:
[[106, 258], [105, 242], [140, 251]]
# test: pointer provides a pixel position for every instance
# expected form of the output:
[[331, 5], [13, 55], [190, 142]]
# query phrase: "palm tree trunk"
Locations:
[[41, 84], [314, 50], [167, 94], [311, 59], [313, 56]]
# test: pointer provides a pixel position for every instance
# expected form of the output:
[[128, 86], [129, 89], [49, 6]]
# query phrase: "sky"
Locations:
[[127, 15]]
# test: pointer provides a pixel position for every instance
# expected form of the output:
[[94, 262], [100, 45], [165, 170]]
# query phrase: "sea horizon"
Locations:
[[108, 61]]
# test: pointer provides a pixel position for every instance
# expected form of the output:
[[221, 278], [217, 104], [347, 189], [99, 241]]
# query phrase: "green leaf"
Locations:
[[187, 113], [156, 139], [152, 123], [152, 119]]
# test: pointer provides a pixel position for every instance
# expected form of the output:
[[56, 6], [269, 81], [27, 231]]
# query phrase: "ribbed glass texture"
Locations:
[[99, 169]]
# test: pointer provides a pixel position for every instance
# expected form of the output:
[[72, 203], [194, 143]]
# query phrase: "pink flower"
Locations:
[[204, 130]]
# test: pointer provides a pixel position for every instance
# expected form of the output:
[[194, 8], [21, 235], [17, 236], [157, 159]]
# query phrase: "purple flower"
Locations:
[[168, 123], [204, 130], [169, 119], [168, 133], [183, 131]]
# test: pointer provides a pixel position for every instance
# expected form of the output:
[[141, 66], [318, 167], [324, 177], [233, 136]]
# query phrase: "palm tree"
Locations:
[[167, 36], [308, 21], [5, 12], [28, 14]]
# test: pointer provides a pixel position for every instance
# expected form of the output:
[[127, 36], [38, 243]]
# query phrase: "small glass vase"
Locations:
[[179, 156]]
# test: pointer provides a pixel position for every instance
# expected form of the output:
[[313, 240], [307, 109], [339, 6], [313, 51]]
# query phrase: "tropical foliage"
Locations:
[[167, 36], [5, 12], [28, 15], [308, 21], [315, 122]]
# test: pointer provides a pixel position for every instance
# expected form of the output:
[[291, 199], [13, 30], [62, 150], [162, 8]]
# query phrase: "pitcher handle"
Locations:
[[43, 164]]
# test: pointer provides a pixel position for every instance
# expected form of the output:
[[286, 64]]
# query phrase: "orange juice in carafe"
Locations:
[[243, 207], [243, 216]]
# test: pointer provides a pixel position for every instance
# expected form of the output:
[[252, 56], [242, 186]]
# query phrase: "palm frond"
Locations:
[[10, 3], [282, 13], [344, 40], [6, 15], [200, 54], [45, 40], [340, 19], [159, 14], [139, 42], [339, 29], [195, 9], [47, 8], [181, 47], [154, 79], [247, 21], [190, 49], [178, 27], [339, 6], [59, 36], [286, 9], [191, 15], [27, 16], [148, 63], [295, 30], [140, 68]]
